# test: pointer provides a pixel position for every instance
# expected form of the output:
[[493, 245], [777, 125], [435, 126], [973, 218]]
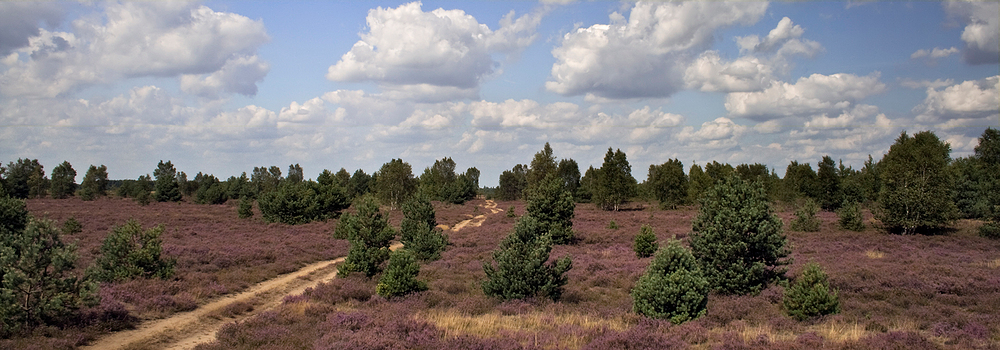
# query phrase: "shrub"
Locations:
[[510, 212], [849, 217], [167, 187], [737, 239], [95, 183], [673, 286], [303, 202], [645, 242], [245, 209], [131, 252], [71, 226], [369, 233], [35, 282], [990, 230], [805, 217], [521, 271], [400, 277], [612, 225], [418, 231], [811, 295]]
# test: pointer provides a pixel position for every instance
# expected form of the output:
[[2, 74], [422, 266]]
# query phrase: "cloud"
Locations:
[[710, 73], [810, 95], [922, 84], [431, 56], [982, 29], [784, 40], [969, 99], [934, 53], [647, 54], [142, 39], [19, 21]]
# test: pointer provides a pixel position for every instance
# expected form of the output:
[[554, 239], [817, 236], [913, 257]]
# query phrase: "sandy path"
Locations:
[[188, 329]]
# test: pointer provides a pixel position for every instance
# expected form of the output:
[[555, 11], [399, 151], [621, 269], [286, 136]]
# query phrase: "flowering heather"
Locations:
[[919, 292]]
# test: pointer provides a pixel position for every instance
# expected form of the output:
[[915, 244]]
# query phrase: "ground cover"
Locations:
[[914, 292]]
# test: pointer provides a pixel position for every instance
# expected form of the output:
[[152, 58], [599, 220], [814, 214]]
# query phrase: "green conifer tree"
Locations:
[[811, 295], [645, 242], [673, 286], [521, 270], [369, 234], [400, 277]]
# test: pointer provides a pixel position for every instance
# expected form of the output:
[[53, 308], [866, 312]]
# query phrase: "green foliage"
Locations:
[[668, 183], [552, 205], [800, 181], [435, 179], [612, 225], [36, 285], [95, 183], [63, 183], [400, 277], [511, 213], [71, 226], [521, 270], [829, 193], [264, 180], [645, 242], [698, 183], [13, 214], [167, 187], [303, 202], [394, 183], [369, 234], [737, 239], [19, 177], [130, 252], [513, 183], [805, 217], [971, 190], [143, 190], [990, 230], [359, 184], [916, 186], [245, 209], [418, 230], [569, 172], [673, 286], [615, 184], [849, 217], [811, 295], [209, 190]]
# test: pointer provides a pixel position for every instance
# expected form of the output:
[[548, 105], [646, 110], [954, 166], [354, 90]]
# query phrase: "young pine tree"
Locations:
[[811, 295], [521, 271], [418, 230], [849, 217], [645, 242], [553, 206], [673, 286], [400, 277], [369, 234], [805, 217], [737, 239], [130, 252]]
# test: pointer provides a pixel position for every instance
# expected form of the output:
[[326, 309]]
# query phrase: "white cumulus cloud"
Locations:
[[810, 95], [968, 99], [433, 56], [645, 55], [982, 29]]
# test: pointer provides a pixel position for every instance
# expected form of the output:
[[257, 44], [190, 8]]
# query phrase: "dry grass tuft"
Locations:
[[874, 254], [993, 264], [494, 325], [840, 332]]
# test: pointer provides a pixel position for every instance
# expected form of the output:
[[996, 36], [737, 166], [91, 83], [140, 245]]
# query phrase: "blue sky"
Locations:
[[223, 86]]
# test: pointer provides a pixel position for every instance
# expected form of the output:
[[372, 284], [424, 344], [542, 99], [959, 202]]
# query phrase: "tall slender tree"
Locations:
[[63, 183]]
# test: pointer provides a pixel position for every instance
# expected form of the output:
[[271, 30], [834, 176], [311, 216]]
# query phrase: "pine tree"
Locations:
[[645, 242], [849, 217], [805, 217], [400, 277], [36, 284], [668, 183], [553, 206], [521, 270], [811, 295], [615, 184], [673, 286], [418, 230], [828, 184], [167, 187], [369, 234], [737, 238]]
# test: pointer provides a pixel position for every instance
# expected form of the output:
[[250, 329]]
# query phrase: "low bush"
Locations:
[[849, 217], [400, 277], [369, 233], [811, 295], [131, 252], [245, 209], [71, 226], [805, 217], [990, 230], [521, 271], [645, 242], [673, 286]]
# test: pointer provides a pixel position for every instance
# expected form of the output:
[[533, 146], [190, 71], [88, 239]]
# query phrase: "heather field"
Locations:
[[896, 292]]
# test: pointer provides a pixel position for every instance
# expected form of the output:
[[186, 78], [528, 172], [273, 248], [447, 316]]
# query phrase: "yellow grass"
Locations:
[[874, 254], [493, 325], [995, 263], [751, 333], [839, 332]]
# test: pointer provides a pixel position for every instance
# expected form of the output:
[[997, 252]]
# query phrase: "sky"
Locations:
[[221, 87]]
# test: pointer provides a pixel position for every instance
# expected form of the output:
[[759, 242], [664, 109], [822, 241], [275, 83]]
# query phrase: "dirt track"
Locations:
[[188, 329]]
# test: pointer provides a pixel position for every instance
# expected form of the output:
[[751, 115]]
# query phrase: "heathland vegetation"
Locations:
[[901, 253]]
